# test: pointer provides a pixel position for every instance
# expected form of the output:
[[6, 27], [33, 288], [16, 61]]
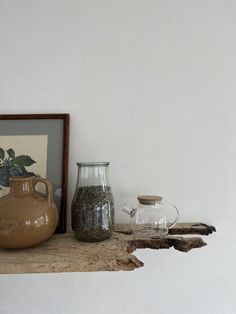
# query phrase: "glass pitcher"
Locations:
[[152, 215], [92, 205]]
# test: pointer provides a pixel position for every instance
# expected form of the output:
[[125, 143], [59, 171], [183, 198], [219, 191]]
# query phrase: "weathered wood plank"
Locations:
[[180, 228], [63, 253]]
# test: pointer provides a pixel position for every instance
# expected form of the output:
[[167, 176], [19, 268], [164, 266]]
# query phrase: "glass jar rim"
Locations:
[[93, 163]]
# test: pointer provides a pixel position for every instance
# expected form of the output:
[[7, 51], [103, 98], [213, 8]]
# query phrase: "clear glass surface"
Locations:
[[156, 218], [93, 174]]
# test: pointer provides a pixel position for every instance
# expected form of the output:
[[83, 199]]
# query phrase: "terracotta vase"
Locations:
[[27, 217]]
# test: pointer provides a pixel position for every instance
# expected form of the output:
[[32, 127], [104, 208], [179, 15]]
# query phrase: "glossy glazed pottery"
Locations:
[[27, 217]]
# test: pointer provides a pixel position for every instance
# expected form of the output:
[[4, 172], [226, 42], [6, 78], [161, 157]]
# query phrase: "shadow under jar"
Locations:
[[93, 204]]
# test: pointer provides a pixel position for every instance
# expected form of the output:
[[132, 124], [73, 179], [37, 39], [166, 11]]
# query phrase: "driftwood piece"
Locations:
[[63, 253], [180, 228]]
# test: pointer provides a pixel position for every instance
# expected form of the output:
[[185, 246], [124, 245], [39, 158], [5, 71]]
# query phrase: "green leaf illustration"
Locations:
[[4, 176], [20, 171], [2, 153], [24, 160], [11, 153]]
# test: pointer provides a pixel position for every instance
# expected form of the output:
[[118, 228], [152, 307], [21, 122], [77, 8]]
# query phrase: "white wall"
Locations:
[[150, 86]]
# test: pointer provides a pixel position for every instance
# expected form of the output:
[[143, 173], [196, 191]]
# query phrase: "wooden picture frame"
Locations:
[[53, 131]]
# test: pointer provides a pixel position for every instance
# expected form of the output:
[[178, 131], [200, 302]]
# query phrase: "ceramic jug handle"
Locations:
[[49, 188], [177, 214]]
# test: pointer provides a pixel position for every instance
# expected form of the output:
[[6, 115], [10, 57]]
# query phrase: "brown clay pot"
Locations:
[[27, 217]]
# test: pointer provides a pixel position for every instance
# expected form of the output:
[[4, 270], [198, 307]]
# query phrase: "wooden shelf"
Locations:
[[63, 253]]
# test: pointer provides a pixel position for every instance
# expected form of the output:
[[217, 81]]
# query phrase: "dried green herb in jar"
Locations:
[[93, 205], [93, 213]]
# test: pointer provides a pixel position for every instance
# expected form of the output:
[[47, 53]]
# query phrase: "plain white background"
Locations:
[[150, 87]]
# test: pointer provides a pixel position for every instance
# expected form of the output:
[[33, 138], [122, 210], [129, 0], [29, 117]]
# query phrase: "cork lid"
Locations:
[[149, 199]]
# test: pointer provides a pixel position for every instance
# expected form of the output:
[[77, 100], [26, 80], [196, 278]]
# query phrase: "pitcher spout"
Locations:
[[129, 210]]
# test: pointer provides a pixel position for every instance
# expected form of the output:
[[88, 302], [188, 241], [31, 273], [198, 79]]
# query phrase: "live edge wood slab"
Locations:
[[63, 253]]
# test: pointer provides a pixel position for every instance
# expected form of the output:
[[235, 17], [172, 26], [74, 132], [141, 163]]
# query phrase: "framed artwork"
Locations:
[[36, 145]]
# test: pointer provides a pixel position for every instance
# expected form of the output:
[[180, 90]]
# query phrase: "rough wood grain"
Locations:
[[180, 228], [63, 253]]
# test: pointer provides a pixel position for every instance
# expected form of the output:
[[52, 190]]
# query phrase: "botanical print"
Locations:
[[22, 156], [12, 165]]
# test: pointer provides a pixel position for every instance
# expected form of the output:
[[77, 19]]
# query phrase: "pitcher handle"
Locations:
[[177, 214], [49, 188]]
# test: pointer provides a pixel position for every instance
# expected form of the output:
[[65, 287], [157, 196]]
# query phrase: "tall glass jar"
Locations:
[[92, 205]]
